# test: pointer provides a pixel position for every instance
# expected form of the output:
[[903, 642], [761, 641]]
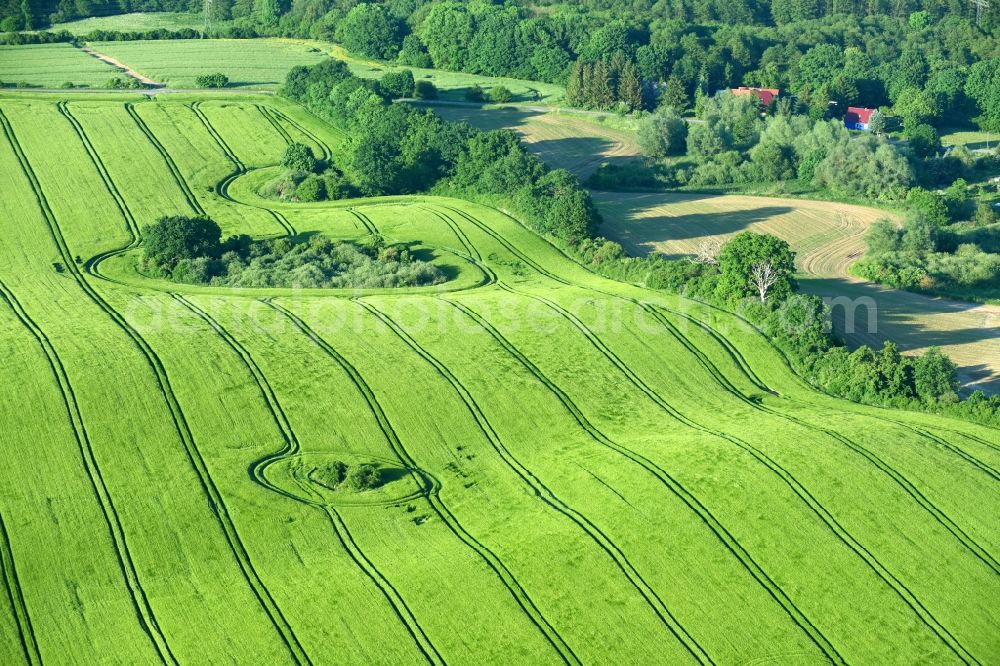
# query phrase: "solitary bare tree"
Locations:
[[762, 277], [708, 251]]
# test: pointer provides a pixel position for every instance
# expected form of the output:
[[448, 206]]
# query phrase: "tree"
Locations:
[[362, 477], [370, 31], [821, 64], [983, 87], [575, 93], [744, 257], [876, 123], [883, 237], [447, 31], [601, 95], [935, 377], [674, 95], [929, 205], [915, 106], [662, 133], [398, 84], [299, 158], [763, 277], [424, 89], [171, 239], [708, 251], [630, 86], [414, 53], [924, 140], [267, 12]]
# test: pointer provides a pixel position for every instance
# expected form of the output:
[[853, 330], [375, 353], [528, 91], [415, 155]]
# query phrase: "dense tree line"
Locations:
[[928, 61], [395, 148]]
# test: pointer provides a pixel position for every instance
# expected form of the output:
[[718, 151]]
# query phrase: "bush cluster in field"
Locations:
[[932, 251], [190, 250], [338, 475]]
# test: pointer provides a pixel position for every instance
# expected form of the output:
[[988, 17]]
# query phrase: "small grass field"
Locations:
[[572, 470], [452, 85], [565, 141], [134, 22], [51, 66], [972, 140], [827, 238], [249, 63]]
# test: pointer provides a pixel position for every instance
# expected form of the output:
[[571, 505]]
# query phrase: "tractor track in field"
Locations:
[[325, 152], [282, 132], [895, 475], [292, 445], [439, 507], [725, 537], [978, 551], [212, 493], [744, 366], [223, 187], [8, 569], [546, 495], [116, 530], [880, 570], [171, 166], [506, 244]]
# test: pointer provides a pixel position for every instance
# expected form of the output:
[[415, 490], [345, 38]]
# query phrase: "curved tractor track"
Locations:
[[461, 223], [214, 496]]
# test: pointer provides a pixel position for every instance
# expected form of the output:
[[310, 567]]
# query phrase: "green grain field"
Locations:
[[577, 470], [134, 22], [256, 64], [51, 66]]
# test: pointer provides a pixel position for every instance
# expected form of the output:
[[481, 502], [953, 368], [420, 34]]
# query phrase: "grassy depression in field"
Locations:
[[574, 470]]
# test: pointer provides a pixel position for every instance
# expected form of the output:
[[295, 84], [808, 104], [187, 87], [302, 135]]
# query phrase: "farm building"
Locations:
[[857, 118], [765, 95]]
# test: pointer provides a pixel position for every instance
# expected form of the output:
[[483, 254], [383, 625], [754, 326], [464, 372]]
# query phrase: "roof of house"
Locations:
[[765, 95], [857, 114]]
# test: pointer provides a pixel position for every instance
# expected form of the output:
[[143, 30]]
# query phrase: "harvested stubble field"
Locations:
[[578, 470], [828, 237]]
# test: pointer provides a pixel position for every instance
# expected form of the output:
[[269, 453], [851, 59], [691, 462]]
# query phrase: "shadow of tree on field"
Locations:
[[641, 235]]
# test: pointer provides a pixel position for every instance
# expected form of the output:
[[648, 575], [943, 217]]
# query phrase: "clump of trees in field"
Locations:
[[191, 250], [217, 80], [338, 475]]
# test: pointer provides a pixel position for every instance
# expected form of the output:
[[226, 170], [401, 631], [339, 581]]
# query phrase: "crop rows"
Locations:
[[582, 485]]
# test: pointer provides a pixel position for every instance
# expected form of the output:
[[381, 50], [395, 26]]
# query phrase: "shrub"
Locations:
[[217, 80], [935, 377], [312, 188], [362, 477], [121, 83], [398, 84], [501, 94], [331, 474], [424, 89]]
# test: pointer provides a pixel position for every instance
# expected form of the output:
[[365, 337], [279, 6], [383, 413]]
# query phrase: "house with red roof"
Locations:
[[857, 118], [765, 95]]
